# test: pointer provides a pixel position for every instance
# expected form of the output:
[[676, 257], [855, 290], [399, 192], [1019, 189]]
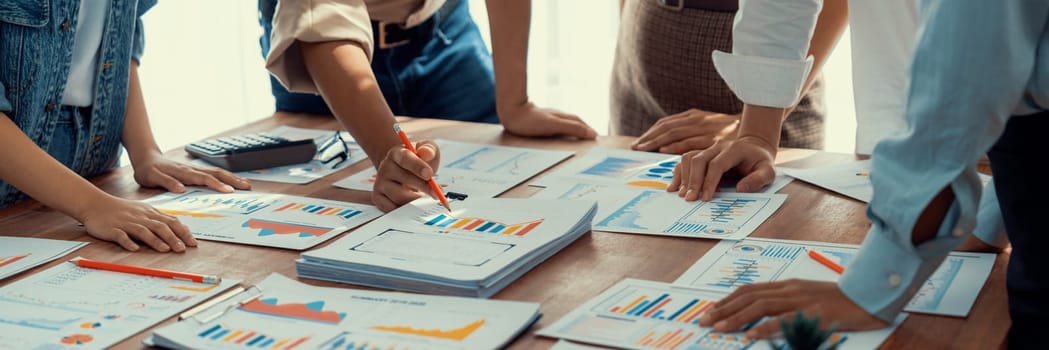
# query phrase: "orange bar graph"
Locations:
[[245, 337], [675, 344], [461, 223], [529, 228], [286, 206], [661, 339], [511, 229], [325, 211], [297, 343], [646, 339], [684, 315], [699, 312], [300, 206], [668, 339], [631, 305], [280, 343], [4, 261], [474, 224], [654, 309], [232, 335]]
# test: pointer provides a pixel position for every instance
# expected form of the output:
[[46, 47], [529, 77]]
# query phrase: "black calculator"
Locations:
[[253, 151]]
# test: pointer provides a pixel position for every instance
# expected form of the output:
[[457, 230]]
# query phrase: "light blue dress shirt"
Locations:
[[976, 64]]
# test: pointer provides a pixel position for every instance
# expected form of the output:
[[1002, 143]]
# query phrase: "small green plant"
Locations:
[[804, 333]]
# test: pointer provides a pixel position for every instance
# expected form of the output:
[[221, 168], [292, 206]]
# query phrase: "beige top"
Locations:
[[330, 20]]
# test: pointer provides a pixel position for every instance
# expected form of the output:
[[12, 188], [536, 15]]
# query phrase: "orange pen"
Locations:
[[822, 259], [433, 184], [146, 271]]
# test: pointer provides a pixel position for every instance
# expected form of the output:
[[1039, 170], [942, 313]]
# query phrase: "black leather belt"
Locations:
[[709, 5], [389, 34]]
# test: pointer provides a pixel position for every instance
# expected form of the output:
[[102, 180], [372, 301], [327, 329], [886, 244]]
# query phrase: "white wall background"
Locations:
[[202, 72]]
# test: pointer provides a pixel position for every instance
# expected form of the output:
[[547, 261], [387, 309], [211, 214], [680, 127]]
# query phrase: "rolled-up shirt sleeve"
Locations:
[[769, 62], [313, 21], [971, 70]]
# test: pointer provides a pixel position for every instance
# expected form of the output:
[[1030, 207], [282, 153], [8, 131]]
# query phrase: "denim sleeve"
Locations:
[[139, 44], [770, 43], [5, 104], [971, 67]]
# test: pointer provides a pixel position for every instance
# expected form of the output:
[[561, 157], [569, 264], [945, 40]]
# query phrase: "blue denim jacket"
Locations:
[[36, 44]]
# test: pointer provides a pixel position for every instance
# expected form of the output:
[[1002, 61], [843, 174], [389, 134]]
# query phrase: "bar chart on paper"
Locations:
[[481, 225], [658, 304], [262, 218], [248, 338], [728, 215]]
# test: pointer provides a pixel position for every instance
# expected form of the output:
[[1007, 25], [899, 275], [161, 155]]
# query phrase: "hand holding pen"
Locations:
[[406, 172]]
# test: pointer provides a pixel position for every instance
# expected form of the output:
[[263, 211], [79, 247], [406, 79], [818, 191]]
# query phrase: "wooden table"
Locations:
[[568, 279]]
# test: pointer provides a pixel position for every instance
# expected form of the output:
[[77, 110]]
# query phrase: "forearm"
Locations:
[[833, 19], [762, 123], [137, 135], [28, 168], [510, 21], [343, 76]]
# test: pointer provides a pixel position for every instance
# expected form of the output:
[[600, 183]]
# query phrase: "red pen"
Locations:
[[146, 271], [822, 259], [433, 184]]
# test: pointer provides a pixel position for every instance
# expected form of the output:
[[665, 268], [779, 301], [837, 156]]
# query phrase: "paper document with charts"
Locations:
[[658, 212], [266, 219], [18, 254], [336, 150], [280, 313], [71, 307], [476, 170], [632, 169], [851, 178], [950, 291], [474, 250], [639, 314]]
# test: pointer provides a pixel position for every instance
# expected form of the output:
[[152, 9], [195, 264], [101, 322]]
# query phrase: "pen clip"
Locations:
[[223, 306]]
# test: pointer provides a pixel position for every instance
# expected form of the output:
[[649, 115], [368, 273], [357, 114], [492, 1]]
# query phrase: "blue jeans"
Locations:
[[445, 71]]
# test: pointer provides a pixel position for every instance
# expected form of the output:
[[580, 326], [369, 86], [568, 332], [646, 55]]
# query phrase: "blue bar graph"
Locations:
[[614, 167], [782, 251], [630, 213]]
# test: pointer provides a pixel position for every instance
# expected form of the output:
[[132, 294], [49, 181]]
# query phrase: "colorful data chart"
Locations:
[[742, 272], [719, 341], [347, 341], [615, 167], [935, 288], [91, 325], [482, 225], [668, 339], [312, 311], [249, 338], [457, 334], [8, 260], [726, 213], [645, 306], [656, 176], [631, 212], [237, 204], [269, 228], [788, 252], [320, 210], [77, 339], [733, 270]]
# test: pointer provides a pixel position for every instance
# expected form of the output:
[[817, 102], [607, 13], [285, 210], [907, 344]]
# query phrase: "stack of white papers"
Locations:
[[266, 219], [476, 170], [638, 314], [70, 307], [475, 250], [18, 254], [284, 314], [950, 291]]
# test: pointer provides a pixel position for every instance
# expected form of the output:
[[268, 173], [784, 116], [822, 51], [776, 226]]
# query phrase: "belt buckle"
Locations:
[[680, 4], [382, 37]]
